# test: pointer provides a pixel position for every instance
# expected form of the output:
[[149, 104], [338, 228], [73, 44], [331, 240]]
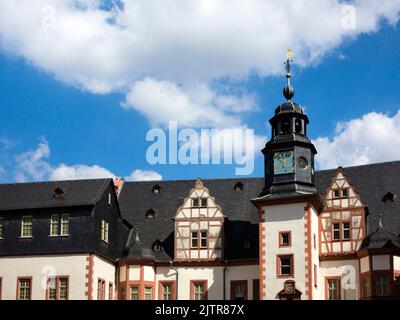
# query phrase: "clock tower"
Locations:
[[288, 206], [289, 155]]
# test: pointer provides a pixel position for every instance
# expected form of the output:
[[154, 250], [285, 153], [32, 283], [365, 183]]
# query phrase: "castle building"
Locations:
[[294, 234]]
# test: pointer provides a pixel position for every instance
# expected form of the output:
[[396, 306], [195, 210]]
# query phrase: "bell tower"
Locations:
[[289, 155], [288, 206]]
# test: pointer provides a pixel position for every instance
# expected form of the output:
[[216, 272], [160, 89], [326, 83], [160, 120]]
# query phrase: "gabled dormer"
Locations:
[[342, 222], [198, 227]]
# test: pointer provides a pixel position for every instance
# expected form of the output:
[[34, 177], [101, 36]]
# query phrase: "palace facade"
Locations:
[[296, 233]]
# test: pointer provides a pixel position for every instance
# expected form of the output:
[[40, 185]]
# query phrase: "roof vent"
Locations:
[[238, 186], [156, 246], [156, 189], [150, 214], [389, 197], [58, 193]]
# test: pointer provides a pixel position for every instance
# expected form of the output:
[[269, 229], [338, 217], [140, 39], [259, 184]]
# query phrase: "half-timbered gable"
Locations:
[[199, 227], [342, 222]]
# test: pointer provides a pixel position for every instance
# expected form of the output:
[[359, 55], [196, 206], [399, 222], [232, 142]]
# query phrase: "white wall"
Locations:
[[364, 264], [288, 217], [348, 270], [39, 268], [105, 270], [248, 273], [314, 251], [396, 263]]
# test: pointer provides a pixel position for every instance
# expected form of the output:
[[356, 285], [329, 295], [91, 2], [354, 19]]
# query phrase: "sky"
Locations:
[[83, 82]]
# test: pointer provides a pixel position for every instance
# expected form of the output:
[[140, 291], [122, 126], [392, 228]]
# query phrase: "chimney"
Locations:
[[118, 183]]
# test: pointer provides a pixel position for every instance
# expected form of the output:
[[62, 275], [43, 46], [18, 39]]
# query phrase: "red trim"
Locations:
[[256, 289], [280, 239], [239, 282], [30, 286], [101, 289], [89, 277], [161, 287], [315, 276], [205, 288], [110, 291], [57, 278]]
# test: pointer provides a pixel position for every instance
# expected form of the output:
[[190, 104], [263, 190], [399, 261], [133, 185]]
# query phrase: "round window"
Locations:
[[302, 163]]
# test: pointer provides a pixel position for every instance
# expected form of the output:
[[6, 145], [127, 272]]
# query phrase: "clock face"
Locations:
[[283, 162], [302, 162]]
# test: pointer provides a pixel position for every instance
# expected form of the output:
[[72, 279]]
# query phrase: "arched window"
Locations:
[[285, 126], [156, 246], [238, 186], [298, 126], [58, 193], [156, 189]]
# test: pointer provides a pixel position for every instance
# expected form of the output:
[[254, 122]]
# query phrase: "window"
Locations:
[[336, 231], [315, 276], [285, 266], [239, 290], [315, 241], [166, 291], [1, 227], [285, 127], [101, 289], [238, 186], [256, 289], [203, 239], [298, 126], [122, 294], [24, 289], [285, 239], [195, 239], [157, 246], [336, 194], [104, 230], [345, 193], [150, 214], [382, 285], [346, 230], [57, 288], [333, 288], [198, 290], [54, 225], [110, 291], [134, 293], [148, 293], [247, 244], [199, 202], [63, 288], [156, 189], [109, 199], [26, 227], [65, 224], [365, 287]]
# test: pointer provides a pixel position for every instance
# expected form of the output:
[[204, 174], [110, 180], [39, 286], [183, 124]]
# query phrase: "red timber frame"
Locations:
[[335, 215], [161, 285], [234, 283], [141, 283], [205, 288]]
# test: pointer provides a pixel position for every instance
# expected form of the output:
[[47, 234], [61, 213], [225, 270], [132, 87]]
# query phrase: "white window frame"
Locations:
[[64, 221], [203, 238], [104, 230], [343, 230], [26, 224], [54, 221]]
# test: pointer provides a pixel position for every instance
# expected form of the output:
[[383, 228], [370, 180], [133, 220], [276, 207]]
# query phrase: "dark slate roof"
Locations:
[[137, 197], [41, 194], [381, 239], [372, 182]]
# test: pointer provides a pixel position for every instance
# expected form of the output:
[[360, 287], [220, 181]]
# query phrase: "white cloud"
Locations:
[[143, 175], [375, 137], [64, 172], [197, 106], [177, 43], [33, 165]]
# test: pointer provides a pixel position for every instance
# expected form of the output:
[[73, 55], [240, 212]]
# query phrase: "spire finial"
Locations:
[[288, 91], [137, 235], [380, 227]]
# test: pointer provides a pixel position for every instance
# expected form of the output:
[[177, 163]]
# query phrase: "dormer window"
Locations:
[[389, 197], [156, 189], [247, 244], [156, 246], [238, 186], [58, 193], [340, 193], [199, 202], [150, 214]]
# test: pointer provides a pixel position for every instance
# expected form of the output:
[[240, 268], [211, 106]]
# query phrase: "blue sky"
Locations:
[[350, 89]]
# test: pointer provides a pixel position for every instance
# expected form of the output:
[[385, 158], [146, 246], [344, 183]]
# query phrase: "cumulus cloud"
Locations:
[[33, 165], [197, 106], [180, 45], [143, 175], [375, 137]]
